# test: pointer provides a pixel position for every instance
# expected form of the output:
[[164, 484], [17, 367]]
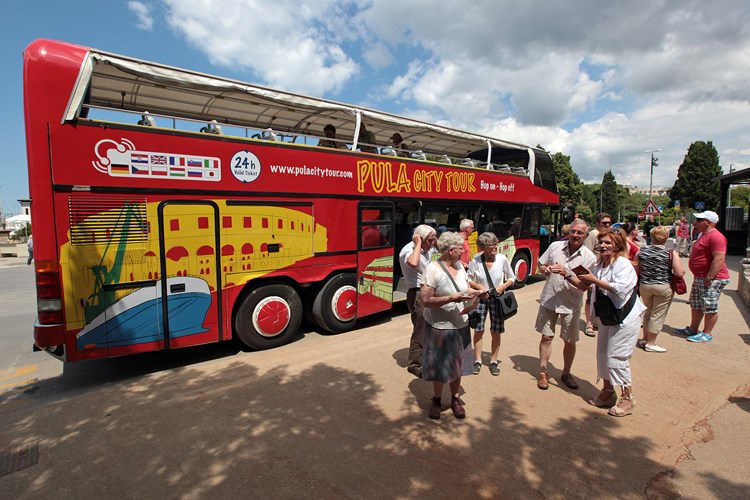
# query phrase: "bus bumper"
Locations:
[[49, 335]]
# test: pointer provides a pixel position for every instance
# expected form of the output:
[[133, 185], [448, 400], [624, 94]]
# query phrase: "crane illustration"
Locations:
[[102, 298]]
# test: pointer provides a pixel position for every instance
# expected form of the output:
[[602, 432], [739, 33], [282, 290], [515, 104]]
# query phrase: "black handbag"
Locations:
[[606, 311], [506, 300]]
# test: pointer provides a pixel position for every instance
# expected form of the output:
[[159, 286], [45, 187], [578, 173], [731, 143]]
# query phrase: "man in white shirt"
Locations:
[[562, 298], [414, 258]]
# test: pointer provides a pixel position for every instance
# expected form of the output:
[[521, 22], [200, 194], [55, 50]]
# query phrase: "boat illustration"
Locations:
[[137, 317]]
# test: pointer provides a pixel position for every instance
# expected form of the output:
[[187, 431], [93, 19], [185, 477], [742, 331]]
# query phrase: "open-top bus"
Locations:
[[173, 208]]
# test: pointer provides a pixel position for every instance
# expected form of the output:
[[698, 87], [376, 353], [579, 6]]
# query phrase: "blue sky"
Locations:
[[599, 82]]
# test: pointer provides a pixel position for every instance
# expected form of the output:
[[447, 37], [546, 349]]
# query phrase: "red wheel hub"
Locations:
[[522, 270], [271, 316], [344, 303]]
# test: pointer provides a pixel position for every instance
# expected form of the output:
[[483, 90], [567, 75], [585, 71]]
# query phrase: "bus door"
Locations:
[[190, 274], [375, 257]]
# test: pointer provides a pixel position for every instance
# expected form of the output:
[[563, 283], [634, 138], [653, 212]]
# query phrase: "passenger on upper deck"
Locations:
[[366, 141], [398, 145], [330, 132]]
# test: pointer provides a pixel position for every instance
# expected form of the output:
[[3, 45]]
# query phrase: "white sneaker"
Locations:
[[653, 348]]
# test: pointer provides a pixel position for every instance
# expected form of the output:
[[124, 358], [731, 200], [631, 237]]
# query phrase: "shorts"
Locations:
[[546, 320], [706, 298], [497, 324]]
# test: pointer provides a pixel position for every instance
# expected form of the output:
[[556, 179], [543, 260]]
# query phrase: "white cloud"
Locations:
[[379, 56], [597, 81], [143, 14], [288, 44]]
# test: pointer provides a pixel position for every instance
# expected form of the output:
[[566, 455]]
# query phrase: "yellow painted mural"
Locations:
[[120, 245]]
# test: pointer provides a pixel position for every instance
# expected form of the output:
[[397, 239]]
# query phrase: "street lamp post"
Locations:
[[654, 163], [729, 191]]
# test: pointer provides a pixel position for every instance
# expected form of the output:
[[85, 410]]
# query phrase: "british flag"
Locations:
[[158, 159]]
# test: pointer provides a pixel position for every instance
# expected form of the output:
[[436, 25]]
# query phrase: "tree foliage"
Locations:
[[590, 197], [610, 201], [695, 177], [569, 185]]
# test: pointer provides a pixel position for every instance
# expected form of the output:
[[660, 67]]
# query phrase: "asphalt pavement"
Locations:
[[338, 416]]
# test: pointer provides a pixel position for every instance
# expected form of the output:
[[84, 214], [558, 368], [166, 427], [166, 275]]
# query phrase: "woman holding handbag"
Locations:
[[657, 264], [447, 339], [618, 310], [493, 272]]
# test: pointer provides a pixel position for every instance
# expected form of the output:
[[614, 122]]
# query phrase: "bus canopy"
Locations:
[[116, 82]]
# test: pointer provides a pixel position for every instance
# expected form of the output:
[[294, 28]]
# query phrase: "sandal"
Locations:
[[619, 411], [589, 331], [604, 402]]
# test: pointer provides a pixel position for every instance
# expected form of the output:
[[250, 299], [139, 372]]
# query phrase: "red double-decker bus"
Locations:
[[173, 208]]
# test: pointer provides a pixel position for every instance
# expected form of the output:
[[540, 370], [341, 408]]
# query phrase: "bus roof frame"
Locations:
[[118, 82]]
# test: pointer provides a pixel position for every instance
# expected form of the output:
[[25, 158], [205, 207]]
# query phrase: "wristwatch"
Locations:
[[568, 276]]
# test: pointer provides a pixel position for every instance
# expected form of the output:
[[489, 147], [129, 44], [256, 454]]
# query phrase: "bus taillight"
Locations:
[[48, 293]]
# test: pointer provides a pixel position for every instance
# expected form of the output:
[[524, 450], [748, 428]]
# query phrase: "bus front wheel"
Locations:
[[335, 306], [521, 266], [269, 316]]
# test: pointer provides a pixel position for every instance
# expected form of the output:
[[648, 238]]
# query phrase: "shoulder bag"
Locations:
[[606, 311], [507, 300], [473, 316], [676, 283]]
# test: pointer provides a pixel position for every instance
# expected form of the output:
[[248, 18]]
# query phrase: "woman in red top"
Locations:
[[630, 231]]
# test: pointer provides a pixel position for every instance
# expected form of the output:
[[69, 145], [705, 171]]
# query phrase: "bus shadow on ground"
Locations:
[[316, 434]]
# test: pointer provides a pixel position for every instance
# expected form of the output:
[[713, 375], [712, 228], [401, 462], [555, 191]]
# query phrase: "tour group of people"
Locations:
[[624, 289]]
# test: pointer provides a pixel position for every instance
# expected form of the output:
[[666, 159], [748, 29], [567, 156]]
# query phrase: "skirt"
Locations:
[[444, 357]]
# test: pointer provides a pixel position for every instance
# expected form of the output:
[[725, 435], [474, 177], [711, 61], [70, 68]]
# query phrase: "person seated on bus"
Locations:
[[366, 141], [398, 145], [372, 237], [330, 132]]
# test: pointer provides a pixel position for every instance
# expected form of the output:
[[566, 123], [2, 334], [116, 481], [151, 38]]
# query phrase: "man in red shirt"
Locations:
[[465, 230], [710, 276]]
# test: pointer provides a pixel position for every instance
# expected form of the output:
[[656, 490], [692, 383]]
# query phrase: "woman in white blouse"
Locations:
[[502, 277], [615, 280]]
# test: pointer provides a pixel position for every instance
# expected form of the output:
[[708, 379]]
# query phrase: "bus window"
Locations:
[[505, 221]]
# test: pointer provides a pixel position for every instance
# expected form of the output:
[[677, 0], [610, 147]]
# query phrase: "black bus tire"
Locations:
[[521, 266], [335, 306], [269, 316]]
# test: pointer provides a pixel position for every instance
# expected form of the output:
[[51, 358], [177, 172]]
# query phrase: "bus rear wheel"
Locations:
[[521, 266], [335, 306], [269, 316]]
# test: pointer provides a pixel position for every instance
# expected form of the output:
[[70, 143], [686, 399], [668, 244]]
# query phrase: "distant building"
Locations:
[[657, 190], [25, 206]]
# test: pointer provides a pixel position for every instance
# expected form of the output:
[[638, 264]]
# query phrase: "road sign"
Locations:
[[677, 204], [651, 209], [700, 205]]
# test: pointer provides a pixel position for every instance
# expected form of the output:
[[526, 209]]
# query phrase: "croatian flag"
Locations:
[[138, 158]]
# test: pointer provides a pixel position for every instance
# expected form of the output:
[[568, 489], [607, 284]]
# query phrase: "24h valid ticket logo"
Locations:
[[245, 166]]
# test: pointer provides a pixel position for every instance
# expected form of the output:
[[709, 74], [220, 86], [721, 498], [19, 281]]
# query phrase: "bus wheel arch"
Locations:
[[334, 307], [521, 265], [268, 316]]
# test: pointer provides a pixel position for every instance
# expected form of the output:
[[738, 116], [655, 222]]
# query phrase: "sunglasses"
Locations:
[[606, 223]]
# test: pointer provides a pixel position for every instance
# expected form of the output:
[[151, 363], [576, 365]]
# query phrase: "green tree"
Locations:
[[590, 197], [695, 177], [569, 185], [630, 204], [740, 195], [610, 201]]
